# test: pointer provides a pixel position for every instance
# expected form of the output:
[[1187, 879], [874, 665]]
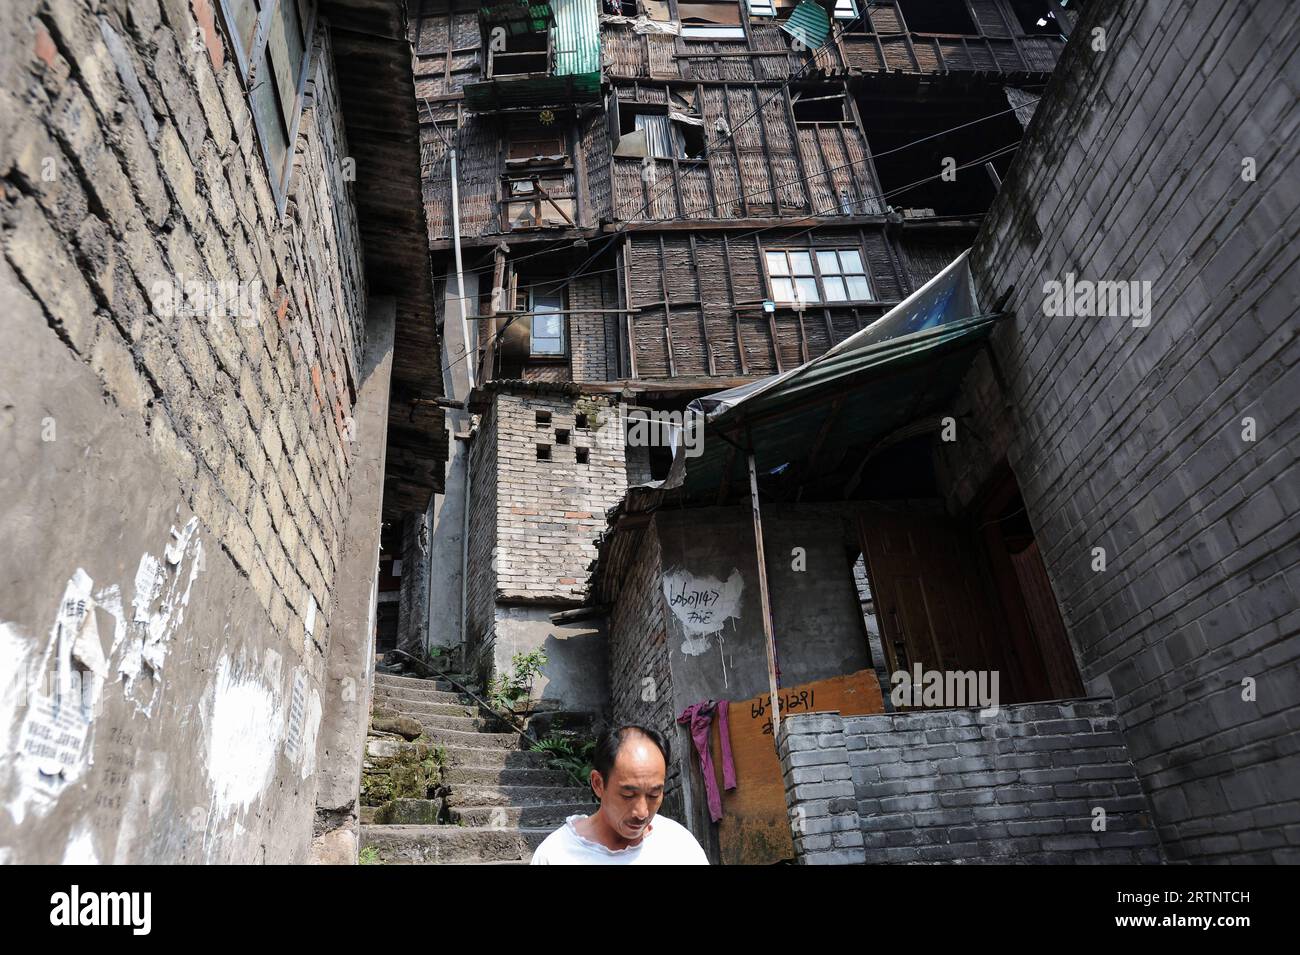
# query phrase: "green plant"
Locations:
[[505, 691], [369, 856], [574, 757]]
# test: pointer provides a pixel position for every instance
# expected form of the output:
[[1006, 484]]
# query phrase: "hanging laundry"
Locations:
[[699, 718]]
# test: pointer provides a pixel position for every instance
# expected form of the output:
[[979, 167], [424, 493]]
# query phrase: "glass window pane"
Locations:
[[782, 290], [827, 262], [808, 290], [859, 290], [845, 10], [834, 289], [851, 260], [801, 263], [776, 264]]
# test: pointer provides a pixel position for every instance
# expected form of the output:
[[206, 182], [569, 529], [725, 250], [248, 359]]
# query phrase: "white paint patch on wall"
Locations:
[[702, 605], [80, 849], [242, 739]]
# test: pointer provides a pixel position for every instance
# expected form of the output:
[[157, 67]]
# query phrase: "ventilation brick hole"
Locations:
[[543, 419], [561, 435], [543, 452], [583, 455], [580, 422]]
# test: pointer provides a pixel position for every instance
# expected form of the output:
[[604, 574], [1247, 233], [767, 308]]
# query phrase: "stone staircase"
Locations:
[[442, 782]]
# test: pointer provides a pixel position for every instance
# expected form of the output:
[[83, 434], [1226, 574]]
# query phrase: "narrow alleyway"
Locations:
[[446, 786]]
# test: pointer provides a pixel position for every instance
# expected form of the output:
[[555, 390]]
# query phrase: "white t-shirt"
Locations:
[[667, 843]]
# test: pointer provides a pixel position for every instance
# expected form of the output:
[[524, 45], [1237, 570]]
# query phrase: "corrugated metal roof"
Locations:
[[809, 24], [576, 37]]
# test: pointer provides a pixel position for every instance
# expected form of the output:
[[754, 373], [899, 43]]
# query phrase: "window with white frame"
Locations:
[[817, 276], [272, 43], [845, 9], [547, 337], [762, 8]]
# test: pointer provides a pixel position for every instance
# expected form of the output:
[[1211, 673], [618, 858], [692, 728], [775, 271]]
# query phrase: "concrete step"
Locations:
[[469, 756], [452, 844], [424, 812], [517, 795], [422, 696], [420, 710], [449, 737], [430, 721], [395, 682], [532, 817], [493, 776]]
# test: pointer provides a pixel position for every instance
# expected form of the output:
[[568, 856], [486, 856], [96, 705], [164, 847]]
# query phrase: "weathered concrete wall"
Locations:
[[816, 614], [351, 653], [575, 676], [1035, 783], [174, 483], [1138, 438]]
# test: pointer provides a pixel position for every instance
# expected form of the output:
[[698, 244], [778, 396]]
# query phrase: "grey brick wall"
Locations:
[[819, 791], [1131, 439], [1022, 786], [640, 688]]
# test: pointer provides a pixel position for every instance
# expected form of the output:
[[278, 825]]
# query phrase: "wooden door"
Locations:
[[929, 593]]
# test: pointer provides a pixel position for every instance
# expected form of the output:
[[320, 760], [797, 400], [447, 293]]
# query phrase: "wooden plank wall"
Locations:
[[769, 165], [713, 283]]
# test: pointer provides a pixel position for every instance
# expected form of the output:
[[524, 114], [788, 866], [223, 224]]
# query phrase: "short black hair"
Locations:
[[611, 741]]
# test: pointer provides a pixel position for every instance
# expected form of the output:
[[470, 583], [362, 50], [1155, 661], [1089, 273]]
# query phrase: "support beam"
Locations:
[[769, 638]]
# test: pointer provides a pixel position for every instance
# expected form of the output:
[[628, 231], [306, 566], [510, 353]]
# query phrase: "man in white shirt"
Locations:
[[631, 763]]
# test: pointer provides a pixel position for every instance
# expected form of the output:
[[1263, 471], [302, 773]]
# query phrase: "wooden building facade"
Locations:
[[740, 186]]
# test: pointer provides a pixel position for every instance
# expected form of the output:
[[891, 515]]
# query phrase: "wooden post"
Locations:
[[766, 602], [489, 332]]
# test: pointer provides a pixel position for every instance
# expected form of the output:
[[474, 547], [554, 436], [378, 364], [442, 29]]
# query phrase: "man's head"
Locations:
[[631, 763]]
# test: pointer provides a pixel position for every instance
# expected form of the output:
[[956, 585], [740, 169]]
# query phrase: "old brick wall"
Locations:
[[550, 512], [534, 522], [1137, 439], [593, 337], [481, 570], [187, 469], [1024, 785], [640, 685]]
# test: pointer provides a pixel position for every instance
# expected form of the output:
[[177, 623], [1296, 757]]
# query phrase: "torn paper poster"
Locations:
[[297, 716], [162, 592], [53, 741]]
